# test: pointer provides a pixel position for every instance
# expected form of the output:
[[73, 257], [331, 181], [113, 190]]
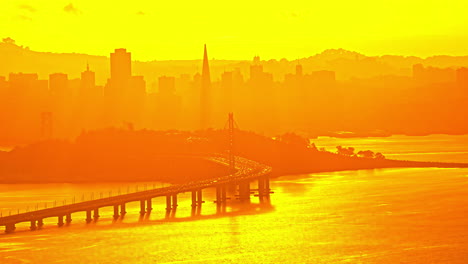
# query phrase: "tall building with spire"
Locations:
[[88, 82], [205, 92]]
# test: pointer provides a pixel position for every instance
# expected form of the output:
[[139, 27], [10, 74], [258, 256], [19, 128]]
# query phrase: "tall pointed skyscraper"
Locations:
[[205, 100]]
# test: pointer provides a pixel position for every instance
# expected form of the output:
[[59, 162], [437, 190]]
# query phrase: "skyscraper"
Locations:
[[88, 82], [58, 84], [89, 98], [121, 64], [166, 85], [226, 90], [124, 93], [299, 70], [121, 72], [256, 70], [22, 82], [168, 104], [205, 100]]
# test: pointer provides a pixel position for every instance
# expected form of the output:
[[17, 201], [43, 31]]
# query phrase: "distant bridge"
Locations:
[[243, 171]]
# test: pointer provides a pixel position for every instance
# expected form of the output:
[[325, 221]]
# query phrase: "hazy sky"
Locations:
[[156, 29]]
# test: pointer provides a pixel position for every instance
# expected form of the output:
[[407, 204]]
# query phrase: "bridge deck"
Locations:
[[245, 170]]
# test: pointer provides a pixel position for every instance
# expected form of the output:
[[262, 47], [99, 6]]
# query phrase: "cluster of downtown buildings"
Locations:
[[313, 102], [62, 108]]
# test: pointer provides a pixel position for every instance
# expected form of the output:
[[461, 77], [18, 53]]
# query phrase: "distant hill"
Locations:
[[346, 64], [22, 59]]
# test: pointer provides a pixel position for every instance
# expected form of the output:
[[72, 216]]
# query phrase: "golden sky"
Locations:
[[160, 30]]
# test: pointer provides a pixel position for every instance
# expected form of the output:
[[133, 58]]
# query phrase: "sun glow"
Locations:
[[175, 30]]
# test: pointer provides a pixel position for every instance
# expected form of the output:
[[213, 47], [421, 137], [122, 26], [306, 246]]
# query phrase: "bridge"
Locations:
[[242, 173], [239, 181]]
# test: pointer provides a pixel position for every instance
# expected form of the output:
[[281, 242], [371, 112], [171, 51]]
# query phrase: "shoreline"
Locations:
[[402, 164], [9, 146], [119, 155]]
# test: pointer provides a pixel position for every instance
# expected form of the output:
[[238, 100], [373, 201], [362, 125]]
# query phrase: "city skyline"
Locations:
[[395, 64], [184, 100]]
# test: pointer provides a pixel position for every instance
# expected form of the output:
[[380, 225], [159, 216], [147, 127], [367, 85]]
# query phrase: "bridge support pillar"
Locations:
[[218, 196], [261, 188], [194, 199], [88, 217], [122, 209], [199, 198], [96, 214], [244, 191], [10, 228], [149, 205], [69, 219], [142, 207], [221, 198], [33, 225], [40, 223], [174, 201], [168, 203], [60, 221], [116, 211], [223, 194]]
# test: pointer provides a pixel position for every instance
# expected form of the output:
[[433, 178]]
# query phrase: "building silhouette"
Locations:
[[299, 70], [58, 84], [262, 96], [121, 64], [121, 73], [125, 94], [205, 93], [168, 104], [88, 82], [90, 97]]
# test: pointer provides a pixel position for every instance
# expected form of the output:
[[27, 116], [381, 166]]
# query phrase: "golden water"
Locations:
[[369, 216]]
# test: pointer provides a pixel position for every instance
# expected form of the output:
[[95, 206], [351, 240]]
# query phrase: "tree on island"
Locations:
[[345, 151], [296, 141], [369, 154], [379, 155]]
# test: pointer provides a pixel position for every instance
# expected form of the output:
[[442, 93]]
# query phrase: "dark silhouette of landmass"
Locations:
[[171, 156]]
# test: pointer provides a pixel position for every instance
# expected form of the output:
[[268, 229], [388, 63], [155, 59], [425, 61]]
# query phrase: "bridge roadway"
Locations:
[[245, 172]]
